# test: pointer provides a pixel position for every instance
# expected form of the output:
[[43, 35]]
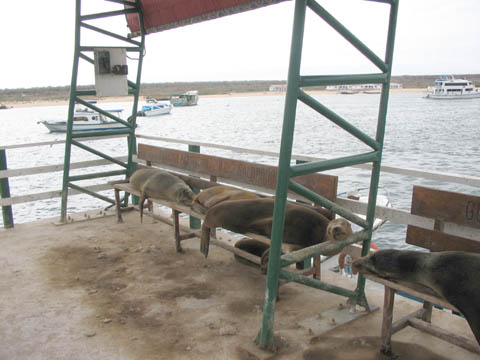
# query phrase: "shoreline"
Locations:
[[37, 103]]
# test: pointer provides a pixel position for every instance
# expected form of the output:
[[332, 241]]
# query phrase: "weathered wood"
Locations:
[[242, 171], [445, 335], [423, 293], [386, 334], [444, 207]]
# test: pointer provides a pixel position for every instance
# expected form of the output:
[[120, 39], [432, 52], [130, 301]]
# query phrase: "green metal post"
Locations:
[[380, 135], [265, 337], [194, 222], [132, 143], [5, 192], [71, 108], [75, 96]]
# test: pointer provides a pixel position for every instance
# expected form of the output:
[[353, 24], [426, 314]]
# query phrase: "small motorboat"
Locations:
[[86, 119], [156, 107], [189, 98]]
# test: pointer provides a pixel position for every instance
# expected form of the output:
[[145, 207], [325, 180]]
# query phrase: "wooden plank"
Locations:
[[445, 207], [445, 335], [438, 241], [242, 171], [416, 291]]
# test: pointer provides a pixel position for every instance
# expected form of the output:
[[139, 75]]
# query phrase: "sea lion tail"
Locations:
[[205, 240]]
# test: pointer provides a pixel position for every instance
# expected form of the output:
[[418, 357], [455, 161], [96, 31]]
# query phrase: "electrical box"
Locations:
[[111, 71]]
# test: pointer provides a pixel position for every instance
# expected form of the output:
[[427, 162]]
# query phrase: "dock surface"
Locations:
[[100, 290]]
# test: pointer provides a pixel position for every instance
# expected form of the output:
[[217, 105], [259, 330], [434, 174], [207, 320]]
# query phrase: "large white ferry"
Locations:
[[447, 87]]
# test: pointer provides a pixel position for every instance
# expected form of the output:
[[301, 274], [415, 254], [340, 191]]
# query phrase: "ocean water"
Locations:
[[429, 135]]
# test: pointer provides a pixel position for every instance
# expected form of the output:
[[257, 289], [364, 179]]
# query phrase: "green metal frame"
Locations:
[[76, 94], [286, 171]]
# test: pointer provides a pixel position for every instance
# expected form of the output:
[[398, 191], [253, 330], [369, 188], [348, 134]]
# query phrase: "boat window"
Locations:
[[80, 118]]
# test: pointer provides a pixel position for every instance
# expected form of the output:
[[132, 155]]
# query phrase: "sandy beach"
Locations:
[[36, 103]]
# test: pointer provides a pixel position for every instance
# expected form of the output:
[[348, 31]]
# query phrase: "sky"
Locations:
[[433, 37]]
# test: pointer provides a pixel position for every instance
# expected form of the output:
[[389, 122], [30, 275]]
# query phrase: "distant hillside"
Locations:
[[204, 88]]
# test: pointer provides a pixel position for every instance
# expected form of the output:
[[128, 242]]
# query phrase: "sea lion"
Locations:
[[453, 275], [304, 226], [211, 196], [160, 184]]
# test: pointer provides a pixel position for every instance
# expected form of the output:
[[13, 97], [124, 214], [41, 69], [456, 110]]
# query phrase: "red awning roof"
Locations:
[[159, 15]]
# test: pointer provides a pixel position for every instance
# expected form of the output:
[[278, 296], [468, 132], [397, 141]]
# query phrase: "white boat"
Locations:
[[187, 99], [156, 107], [85, 119], [449, 88]]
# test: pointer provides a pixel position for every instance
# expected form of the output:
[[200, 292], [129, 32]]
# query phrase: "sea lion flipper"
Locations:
[[205, 240], [140, 205]]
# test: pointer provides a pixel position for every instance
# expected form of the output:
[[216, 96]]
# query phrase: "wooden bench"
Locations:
[[447, 209], [201, 171]]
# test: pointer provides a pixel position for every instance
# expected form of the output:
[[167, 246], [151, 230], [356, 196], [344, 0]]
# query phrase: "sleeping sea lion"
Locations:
[[304, 226], [453, 275], [160, 184], [211, 196]]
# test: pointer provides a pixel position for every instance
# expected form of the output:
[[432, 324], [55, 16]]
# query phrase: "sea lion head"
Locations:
[[338, 230], [389, 263], [184, 196]]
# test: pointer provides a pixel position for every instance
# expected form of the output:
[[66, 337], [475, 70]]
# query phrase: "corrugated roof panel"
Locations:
[[159, 15]]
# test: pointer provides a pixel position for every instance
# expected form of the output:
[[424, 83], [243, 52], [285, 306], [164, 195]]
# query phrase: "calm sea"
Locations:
[[430, 135]]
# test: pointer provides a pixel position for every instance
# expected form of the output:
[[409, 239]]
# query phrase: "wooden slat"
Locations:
[[415, 290], [439, 241], [448, 206], [241, 171], [444, 207]]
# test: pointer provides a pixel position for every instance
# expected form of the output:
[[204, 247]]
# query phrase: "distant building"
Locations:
[[362, 87], [278, 87]]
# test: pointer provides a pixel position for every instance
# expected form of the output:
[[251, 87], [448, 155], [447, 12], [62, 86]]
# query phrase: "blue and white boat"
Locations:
[[156, 107]]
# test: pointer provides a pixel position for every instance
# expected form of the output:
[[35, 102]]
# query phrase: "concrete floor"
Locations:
[[100, 290]]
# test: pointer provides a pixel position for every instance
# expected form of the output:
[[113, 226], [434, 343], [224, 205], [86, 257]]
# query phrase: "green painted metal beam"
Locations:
[[265, 337], [325, 80], [317, 284], [286, 171], [103, 112], [75, 96], [128, 48], [324, 165], [342, 30], [7, 213], [97, 175], [338, 120], [91, 193], [71, 109], [91, 134], [109, 33], [317, 199], [108, 14], [98, 153]]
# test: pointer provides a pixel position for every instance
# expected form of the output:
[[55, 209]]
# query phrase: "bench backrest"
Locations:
[[258, 175], [445, 207]]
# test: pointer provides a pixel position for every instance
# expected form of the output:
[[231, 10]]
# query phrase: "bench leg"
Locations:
[[316, 265], [117, 206], [205, 240], [427, 314], [386, 346], [176, 230]]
